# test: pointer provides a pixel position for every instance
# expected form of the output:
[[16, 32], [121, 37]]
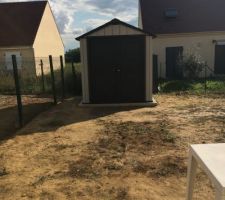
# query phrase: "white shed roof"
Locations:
[[114, 22]]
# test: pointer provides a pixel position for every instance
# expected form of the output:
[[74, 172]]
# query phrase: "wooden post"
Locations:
[[42, 76], [62, 77], [18, 92], [53, 80]]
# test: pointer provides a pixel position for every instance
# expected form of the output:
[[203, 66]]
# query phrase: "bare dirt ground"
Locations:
[[32, 106], [111, 153]]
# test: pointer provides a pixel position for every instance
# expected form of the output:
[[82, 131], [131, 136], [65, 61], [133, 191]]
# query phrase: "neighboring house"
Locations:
[[29, 31], [185, 27]]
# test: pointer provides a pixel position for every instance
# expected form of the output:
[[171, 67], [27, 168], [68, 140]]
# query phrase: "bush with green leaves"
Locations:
[[192, 65]]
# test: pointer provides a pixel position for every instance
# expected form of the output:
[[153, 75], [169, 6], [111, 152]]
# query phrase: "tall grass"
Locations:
[[31, 84], [72, 83], [7, 84]]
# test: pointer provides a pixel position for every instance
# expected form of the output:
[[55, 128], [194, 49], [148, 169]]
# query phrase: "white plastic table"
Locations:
[[211, 158]]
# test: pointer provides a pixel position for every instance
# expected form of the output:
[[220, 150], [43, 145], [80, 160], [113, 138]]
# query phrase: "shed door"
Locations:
[[117, 69], [172, 69], [220, 59]]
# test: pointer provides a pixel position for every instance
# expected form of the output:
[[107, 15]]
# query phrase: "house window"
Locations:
[[8, 60], [170, 13]]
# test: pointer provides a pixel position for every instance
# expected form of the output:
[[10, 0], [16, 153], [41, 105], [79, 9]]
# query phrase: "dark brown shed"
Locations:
[[117, 64]]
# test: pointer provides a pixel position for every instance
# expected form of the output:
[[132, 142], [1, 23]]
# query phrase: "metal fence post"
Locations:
[[18, 92], [62, 77], [42, 75], [53, 80]]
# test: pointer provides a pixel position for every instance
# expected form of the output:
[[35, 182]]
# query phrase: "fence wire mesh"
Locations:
[[208, 82], [35, 84]]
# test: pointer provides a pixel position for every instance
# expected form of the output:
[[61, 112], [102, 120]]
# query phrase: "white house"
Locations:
[[185, 27]]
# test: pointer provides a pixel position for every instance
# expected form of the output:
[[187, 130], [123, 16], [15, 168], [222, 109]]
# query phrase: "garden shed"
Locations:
[[116, 64]]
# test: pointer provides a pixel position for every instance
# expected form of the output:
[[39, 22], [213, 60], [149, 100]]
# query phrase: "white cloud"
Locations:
[[78, 31], [93, 23], [123, 9]]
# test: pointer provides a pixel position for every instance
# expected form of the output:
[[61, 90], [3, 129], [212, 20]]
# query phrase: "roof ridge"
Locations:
[[21, 2], [114, 21]]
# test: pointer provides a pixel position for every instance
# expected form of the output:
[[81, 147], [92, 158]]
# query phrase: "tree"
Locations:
[[73, 55]]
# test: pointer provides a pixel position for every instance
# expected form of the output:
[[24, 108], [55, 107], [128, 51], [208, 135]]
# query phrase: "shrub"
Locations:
[[73, 55], [175, 86], [192, 65]]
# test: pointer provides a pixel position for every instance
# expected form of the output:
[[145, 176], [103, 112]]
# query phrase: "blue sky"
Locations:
[[75, 17]]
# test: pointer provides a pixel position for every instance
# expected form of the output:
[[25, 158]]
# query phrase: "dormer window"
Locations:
[[171, 13]]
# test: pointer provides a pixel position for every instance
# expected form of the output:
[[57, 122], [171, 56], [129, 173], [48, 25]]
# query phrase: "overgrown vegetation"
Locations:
[[73, 55], [193, 86], [6, 83], [192, 65], [34, 85]]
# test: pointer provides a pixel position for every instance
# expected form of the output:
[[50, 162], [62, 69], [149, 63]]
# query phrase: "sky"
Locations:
[[75, 17]]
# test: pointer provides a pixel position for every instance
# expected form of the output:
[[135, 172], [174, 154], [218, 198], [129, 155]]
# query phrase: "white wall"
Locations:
[[84, 71], [48, 41], [199, 43], [27, 58]]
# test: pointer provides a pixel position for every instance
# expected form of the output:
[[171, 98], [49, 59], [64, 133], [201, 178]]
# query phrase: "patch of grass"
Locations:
[[40, 180], [60, 147], [4, 189], [193, 86], [165, 133], [31, 84], [113, 166], [73, 83], [174, 86], [46, 195], [169, 166], [83, 168], [6, 82], [117, 193], [122, 136], [165, 166], [221, 137], [168, 136], [140, 167], [3, 172], [122, 194]]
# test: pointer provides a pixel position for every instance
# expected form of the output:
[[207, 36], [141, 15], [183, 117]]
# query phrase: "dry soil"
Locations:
[[70, 152]]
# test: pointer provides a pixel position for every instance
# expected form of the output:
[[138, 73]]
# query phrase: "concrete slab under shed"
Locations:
[[144, 104]]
